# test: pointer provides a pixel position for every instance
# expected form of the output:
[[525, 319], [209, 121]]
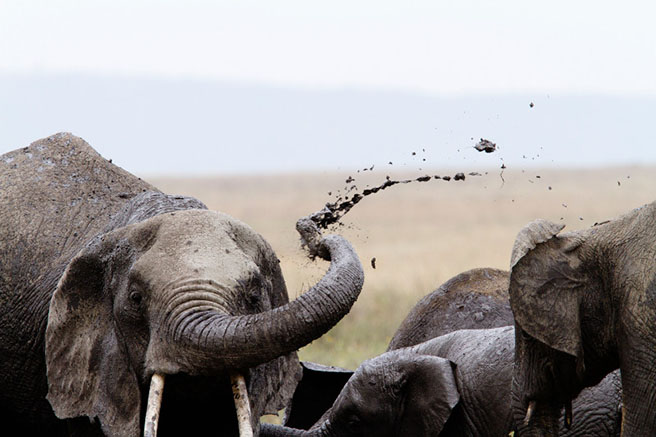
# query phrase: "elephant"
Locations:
[[464, 302], [458, 384], [108, 286], [474, 299], [584, 304]]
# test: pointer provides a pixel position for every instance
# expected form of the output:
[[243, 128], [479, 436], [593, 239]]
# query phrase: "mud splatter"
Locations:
[[334, 211], [486, 146]]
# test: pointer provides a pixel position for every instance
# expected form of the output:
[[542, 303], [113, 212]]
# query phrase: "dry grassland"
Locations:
[[421, 234]]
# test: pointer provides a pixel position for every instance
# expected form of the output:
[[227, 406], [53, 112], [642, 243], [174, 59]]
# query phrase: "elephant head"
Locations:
[[193, 294], [584, 304], [394, 394]]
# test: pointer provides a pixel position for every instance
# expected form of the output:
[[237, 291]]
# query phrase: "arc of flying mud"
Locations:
[[334, 211]]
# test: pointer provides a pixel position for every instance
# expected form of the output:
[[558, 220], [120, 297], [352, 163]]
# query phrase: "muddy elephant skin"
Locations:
[[449, 319], [475, 299], [585, 304], [105, 281], [458, 384]]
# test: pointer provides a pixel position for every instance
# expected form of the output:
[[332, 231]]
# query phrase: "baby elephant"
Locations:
[[456, 384]]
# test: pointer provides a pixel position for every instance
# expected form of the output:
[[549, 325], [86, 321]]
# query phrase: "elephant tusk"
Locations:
[[529, 412], [242, 404], [154, 404], [568, 415]]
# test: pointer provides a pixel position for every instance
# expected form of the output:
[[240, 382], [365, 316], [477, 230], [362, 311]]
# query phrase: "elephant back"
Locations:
[[56, 194], [475, 299]]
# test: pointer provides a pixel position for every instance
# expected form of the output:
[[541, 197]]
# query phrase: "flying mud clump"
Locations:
[[486, 146]]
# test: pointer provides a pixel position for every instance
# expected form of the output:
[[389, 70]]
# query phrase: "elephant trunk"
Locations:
[[270, 430], [213, 341]]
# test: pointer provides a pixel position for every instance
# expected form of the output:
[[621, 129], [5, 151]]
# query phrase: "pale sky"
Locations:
[[463, 46], [284, 85]]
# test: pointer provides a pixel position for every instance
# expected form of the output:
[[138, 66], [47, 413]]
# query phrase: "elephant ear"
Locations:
[[546, 285], [88, 369], [431, 394]]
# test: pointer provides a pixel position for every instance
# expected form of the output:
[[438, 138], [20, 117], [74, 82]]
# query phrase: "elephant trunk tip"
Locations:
[[311, 237]]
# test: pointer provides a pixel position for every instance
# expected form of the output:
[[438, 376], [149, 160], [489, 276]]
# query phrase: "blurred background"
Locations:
[[264, 110]]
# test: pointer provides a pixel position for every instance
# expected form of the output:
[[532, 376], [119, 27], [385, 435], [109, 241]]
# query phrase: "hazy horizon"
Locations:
[[187, 127]]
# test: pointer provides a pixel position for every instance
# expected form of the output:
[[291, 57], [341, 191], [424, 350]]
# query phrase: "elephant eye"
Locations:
[[136, 297], [353, 421]]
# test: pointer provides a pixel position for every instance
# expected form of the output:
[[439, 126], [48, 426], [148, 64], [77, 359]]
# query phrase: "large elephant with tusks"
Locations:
[[107, 284]]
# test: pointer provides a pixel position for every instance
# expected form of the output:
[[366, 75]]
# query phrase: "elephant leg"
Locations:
[[638, 371]]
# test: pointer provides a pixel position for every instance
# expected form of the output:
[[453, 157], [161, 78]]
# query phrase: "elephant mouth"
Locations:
[[532, 405], [189, 406]]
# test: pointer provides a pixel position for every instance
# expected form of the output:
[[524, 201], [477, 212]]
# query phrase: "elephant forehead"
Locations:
[[384, 370], [200, 243]]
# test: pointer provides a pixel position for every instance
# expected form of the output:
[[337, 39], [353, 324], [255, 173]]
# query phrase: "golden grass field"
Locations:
[[421, 234]]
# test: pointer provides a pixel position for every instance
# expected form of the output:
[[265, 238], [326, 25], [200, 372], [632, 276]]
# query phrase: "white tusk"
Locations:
[[242, 404], [568, 414], [154, 404], [529, 412]]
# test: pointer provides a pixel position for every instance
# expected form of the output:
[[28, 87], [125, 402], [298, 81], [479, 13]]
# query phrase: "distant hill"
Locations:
[[168, 126]]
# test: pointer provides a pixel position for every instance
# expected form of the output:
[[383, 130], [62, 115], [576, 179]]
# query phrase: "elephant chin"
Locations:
[[537, 419]]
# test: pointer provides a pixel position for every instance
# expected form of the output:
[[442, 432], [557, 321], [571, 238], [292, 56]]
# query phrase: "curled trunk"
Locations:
[[214, 341]]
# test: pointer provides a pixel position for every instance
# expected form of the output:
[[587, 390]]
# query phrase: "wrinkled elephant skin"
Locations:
[[105, 281], [584, 304], [456, 384]]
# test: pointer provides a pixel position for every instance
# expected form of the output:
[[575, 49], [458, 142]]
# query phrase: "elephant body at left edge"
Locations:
[[105, 281]]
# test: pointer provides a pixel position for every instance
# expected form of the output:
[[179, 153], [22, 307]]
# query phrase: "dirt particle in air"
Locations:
[[531, 105], [486, 146], [373, 262]]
